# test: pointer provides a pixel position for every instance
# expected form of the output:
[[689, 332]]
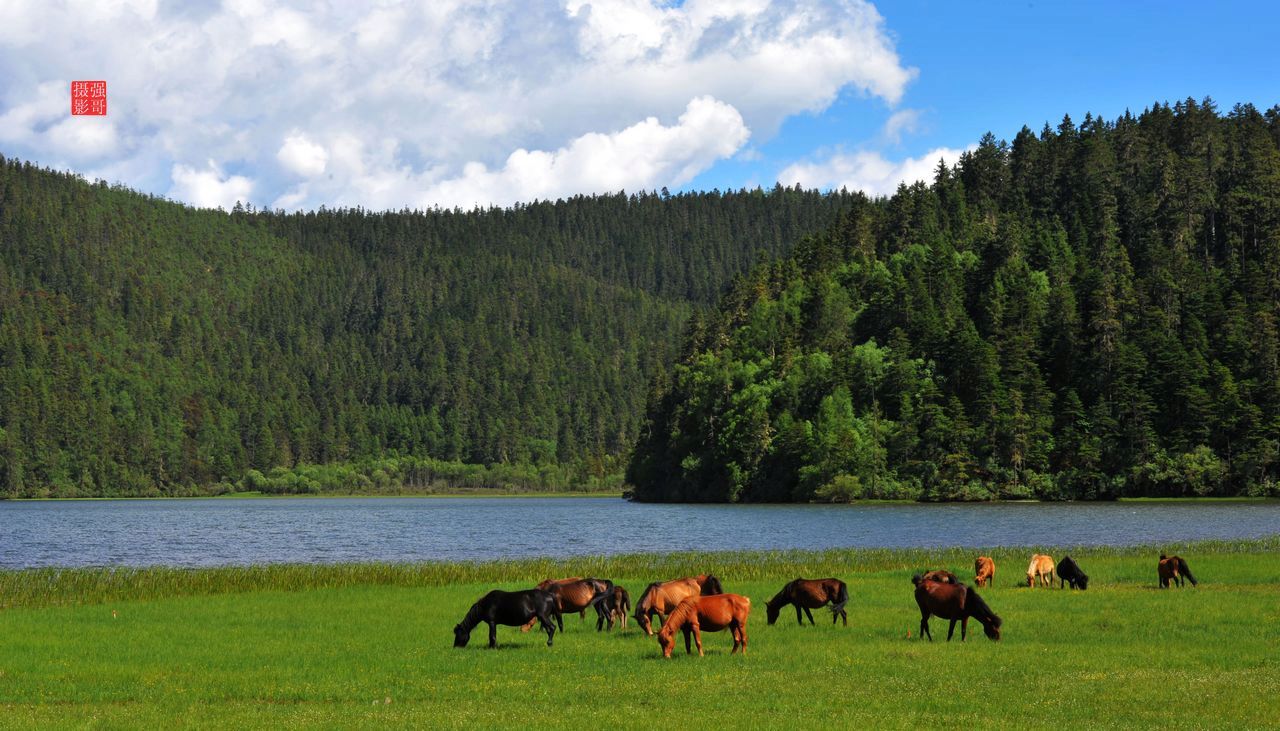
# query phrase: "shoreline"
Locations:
[[49, 586], [484, 493]]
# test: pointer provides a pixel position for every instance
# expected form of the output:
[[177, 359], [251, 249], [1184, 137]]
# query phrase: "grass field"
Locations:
[[370, 646]]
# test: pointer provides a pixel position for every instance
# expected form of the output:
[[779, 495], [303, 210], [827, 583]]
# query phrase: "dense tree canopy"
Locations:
[[148, 348], [1088, 312]]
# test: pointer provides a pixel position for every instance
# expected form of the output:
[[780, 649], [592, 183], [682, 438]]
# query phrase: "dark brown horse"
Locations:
[[712, 613], [984, 570], [955, 602], [661, 598], [612, 605], [808, 594], [572, 595], [946, 577], [1174, 568]]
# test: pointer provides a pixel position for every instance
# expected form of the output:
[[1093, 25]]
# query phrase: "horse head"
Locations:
[[461, 636], [992, 627], [667, 640], [711, 585]]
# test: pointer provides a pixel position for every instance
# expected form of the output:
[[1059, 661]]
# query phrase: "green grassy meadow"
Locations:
[[370, 646]]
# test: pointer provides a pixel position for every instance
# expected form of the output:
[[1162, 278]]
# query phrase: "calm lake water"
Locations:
[[228, 531]]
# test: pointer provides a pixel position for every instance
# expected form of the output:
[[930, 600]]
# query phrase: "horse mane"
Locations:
[[979, 610], [472, 617], [678, 617], [777, 601]]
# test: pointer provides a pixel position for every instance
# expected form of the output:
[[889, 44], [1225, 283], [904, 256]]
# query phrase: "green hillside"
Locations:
[[147, 348], [1088, 312]]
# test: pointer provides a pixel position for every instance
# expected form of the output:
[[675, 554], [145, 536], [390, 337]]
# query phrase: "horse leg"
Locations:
[[688, 650], [844, 617], [697, 638], [951, 630], [964, 628], [560, 620], [547, 627], [493, 635], [924, 625], [809, 614], [799, 617]]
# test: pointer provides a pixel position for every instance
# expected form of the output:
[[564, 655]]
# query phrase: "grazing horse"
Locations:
[[1040, 567], [809, 594], [1174, 568], [1069, 573], [712, 613], [661, 598], [945, 577], [955, 602], [572, 595], [984, 570], [612, 605], [511, 608]]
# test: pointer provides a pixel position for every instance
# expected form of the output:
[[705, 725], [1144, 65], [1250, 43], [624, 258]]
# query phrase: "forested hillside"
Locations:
[[1088, 312], [148, 348]]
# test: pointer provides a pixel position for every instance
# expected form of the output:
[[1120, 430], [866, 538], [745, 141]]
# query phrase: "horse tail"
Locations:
[[841, 598], [915, 580], [1185, 570]]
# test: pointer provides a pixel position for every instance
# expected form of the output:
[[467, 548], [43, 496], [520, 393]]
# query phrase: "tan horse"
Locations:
[[712, 613], [662, 598], [572, 595], [1040, 567], [984, 570]]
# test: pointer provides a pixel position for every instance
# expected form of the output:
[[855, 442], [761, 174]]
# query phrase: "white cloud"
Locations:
[[901, 122], [644, 155], [302, 156], [434, 93], [209, 188], [868, 171]]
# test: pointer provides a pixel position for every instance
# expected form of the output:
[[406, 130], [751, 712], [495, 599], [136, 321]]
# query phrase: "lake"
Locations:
[[218, 532]]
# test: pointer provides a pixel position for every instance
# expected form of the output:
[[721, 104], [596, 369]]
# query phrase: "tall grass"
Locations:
[[46, 587]]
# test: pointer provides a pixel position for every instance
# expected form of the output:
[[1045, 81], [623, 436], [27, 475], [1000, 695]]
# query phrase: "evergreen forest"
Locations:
[[1088, 312], [148, 348]]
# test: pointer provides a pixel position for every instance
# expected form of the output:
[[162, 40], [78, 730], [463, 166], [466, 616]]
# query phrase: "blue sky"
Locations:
[[464, 102]]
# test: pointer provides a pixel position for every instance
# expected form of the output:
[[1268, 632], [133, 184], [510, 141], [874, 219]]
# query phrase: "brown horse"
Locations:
[[1174, 568], [809, 594], [955, 602], [1040, 567], [661, 598], [984, 570], [712, 613], [572, 595], [946, 577]]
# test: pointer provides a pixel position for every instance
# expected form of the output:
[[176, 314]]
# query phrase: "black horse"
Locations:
[[1069, 573], [512, 608]]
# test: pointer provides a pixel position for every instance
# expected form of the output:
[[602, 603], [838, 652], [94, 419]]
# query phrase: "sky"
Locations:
[[459, 103]]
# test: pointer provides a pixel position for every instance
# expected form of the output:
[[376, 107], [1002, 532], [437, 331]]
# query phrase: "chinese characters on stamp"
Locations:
[[89, 97]]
